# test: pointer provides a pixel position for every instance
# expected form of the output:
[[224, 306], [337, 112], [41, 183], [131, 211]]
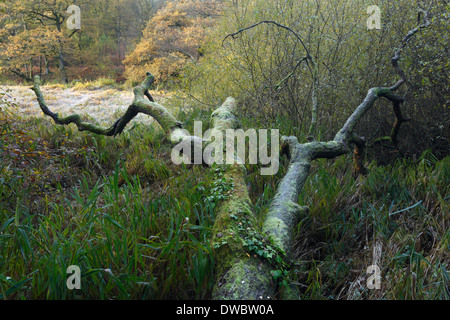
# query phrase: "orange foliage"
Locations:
[[171, 39], [19, 50]]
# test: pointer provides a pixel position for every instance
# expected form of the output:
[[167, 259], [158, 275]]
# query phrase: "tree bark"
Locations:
[[242, 276], [62, 67], [58, 20], [238, 274]]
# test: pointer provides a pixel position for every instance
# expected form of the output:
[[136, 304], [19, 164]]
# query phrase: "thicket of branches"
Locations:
[[265, 68]]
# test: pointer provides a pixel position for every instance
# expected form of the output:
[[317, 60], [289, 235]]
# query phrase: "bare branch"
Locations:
[[404, 43], [283, 212], [139, 105], [291, 73], [20, 74], [314, 109], [73, 32], [233, 35], [76, 119], [313, 70]]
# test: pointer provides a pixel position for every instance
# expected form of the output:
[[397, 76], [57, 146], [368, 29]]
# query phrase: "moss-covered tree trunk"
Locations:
[[245, 256], [250, 262], [239, 275]]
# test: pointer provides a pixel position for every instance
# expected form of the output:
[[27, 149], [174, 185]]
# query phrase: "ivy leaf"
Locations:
[[276, 274]]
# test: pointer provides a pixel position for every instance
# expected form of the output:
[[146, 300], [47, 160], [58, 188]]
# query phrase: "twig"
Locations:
[[314, 70]]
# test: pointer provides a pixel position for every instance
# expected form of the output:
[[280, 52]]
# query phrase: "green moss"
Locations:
[[223, 117], [278, 231], [245, 280], [157, 111], [382, 91]]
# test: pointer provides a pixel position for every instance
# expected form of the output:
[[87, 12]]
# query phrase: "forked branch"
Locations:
[[143, 103], [283, 212], [394, 61]]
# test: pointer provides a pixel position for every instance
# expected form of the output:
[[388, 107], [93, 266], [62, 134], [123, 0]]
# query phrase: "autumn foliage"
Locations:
[[35, 37], [30, 51], [172, 38]]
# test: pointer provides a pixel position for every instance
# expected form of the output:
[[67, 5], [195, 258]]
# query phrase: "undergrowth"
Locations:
[[396, 218], [139, 227]]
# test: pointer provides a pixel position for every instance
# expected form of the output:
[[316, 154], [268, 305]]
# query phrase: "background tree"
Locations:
[[29, 52], [109, 30], [172, 38], [45, 14]]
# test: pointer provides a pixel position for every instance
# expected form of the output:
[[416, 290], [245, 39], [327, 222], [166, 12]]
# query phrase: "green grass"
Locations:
[[140, 227], [144, 244], [401, 209], [149, 230]]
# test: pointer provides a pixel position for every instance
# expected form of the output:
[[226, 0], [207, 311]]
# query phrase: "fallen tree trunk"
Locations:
[[238, 274], [247, 260], [247, 276], [250, 263], [246, 272]]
